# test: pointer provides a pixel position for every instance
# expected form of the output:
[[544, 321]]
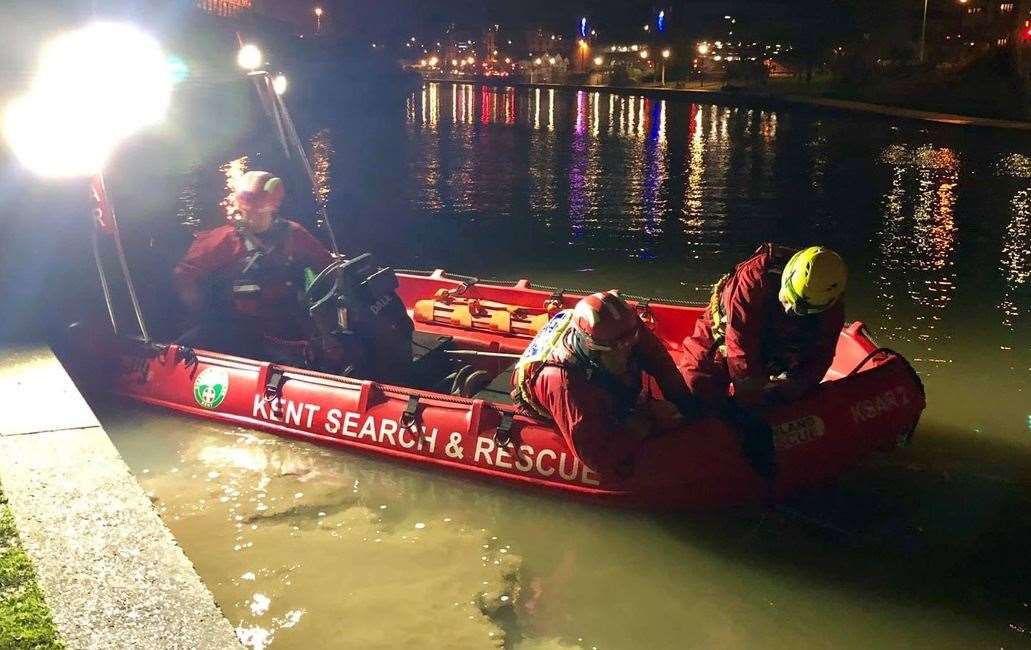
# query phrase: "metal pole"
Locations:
[[280, 104], [107, 214], [923, 33], [271, 93], [103, 280]]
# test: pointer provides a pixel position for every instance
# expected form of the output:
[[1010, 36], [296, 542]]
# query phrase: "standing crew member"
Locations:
[[583, 371], [244, 279], [771, 327]]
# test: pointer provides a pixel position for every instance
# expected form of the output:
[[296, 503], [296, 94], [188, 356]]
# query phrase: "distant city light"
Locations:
[[537, 61], [703, 48], [583, 27], [644, 54], [433, 61], [660, 24], [552, 60], [647, 28], [598, 60], [470, 60]]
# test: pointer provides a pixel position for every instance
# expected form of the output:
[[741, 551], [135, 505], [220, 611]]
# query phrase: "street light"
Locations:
[[249, 57], [644, 54], [665, 57], [318, 19], [703, 48], [552, 60], [434, 61], [598, 60]]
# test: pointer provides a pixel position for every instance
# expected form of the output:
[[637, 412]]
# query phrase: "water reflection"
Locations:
[[233, 171], [542, 164], [915, 266], [1015, 261], [322, 153]]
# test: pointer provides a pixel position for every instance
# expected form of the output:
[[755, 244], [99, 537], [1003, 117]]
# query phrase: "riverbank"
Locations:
[[109, 570], [25, 620], [772, 99]]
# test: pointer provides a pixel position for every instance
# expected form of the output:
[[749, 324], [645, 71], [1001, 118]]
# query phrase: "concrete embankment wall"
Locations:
[[772, 101]]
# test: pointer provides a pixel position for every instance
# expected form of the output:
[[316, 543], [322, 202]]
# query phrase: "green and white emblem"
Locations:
[[210, 387]]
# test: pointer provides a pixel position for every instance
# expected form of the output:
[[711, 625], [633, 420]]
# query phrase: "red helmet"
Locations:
[[606, 322], [258, 190]]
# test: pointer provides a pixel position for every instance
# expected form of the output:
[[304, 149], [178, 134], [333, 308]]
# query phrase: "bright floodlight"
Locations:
[[249, 57], [94, 87], [279, 84]]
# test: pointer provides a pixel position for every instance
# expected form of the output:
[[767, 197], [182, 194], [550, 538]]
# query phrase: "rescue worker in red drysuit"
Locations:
[[770, 330], [584, 372], [244, 279]]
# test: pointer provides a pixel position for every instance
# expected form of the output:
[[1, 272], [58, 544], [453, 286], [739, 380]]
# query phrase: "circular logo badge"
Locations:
[[210, 387]]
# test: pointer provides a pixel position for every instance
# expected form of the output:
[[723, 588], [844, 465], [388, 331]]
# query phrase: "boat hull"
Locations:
[[870, 401]]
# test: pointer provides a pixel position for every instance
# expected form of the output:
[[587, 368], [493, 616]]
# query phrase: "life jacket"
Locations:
[[789, 337], [258, 278], [778, 256], [550, 347]]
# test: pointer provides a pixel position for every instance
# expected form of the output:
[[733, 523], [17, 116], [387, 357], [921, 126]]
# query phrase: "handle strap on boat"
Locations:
[[274, 383], [447, 294], [409, 418], [644, 311], [503, 434], [187, 356]]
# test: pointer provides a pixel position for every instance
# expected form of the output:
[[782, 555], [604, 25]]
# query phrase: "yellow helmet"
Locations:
[[813, 280]]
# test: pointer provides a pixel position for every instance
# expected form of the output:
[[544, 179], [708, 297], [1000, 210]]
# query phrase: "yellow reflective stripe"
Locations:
[[538, 352]]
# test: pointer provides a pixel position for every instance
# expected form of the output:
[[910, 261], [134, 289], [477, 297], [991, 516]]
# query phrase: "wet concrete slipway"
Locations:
[[111, 572]]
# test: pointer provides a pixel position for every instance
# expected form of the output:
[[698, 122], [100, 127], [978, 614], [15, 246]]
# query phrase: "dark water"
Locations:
[[922, 548]]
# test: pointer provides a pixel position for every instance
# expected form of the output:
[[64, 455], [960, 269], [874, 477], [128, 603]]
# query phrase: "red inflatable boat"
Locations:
[[870, 400]]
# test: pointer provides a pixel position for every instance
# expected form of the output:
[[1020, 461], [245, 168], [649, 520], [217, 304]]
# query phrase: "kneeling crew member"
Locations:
[[244, 278], [771, 327], [583, 371]]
